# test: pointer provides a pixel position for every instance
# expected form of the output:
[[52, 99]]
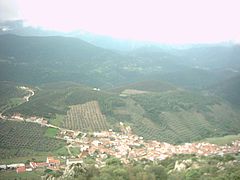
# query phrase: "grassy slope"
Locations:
[[34, 175], [51, 132], [222, 140]]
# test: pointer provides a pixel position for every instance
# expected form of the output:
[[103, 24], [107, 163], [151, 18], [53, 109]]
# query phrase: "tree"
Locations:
[[113, 162], [158, 171]]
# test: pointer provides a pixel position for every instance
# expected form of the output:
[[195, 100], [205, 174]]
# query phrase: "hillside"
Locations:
[[193, 67], [150, 85], [24, 139], [11, 95], [174, 116], [147, 87], [182, 116], [53, 101], [229, 90], [38, 59]]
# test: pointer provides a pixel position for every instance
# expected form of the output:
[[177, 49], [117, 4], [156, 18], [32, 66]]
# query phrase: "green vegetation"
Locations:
[[46, 103], [10, 95], [150, 85], [174, 116], [53, 101], [75, 151], [166, 113], [86, 117], [51, 132], [55, 59], [211, 168], [61, 152], [58, 120], [175, 101], [182, 116], [39, 156], [34, 175], [16, 101], [229, 90], [222, 140], [115, 170], [21, 139]]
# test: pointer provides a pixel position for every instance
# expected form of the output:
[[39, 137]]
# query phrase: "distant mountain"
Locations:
[[192, 67], [218, 56], [150, 85], [206, 57], [17, 27], [53, 58], [48, 49], [37, 59]]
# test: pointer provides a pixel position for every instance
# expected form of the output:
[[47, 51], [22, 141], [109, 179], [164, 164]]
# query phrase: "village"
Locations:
[[127, 146], [124, 145]]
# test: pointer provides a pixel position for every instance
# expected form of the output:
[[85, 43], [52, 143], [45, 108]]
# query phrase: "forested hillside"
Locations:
[[38, 60], [170, 115]]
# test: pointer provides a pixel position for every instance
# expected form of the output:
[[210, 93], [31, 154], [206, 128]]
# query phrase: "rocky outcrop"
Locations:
[[70, 172], [182, 166]]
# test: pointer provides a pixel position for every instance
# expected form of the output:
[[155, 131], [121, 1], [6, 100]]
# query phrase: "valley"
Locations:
[[69, 100], [173, 116], [104, 145]]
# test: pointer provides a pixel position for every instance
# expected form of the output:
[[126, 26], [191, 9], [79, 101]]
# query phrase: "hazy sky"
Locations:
[[165, 21]]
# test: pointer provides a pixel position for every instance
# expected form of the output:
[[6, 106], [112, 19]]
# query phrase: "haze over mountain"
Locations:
[[119, 89], [17, 27], [65, 58]]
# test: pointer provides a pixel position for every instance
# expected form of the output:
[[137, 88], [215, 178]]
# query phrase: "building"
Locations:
[[17, 116], [21, 169], [14, 166], [3, 167], [35, 165], [73, 161], [53, 162]]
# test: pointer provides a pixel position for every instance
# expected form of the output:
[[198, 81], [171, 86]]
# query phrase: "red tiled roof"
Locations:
[[54, 161], [51, 160], [33, 164], [21, 169], [41, 164]]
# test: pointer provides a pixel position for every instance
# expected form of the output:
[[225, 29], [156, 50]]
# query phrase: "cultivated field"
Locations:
[[19, 139], [86, 117]]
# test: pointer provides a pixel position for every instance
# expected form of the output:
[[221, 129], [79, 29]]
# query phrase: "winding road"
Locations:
[[26, 98], [31, 92]]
